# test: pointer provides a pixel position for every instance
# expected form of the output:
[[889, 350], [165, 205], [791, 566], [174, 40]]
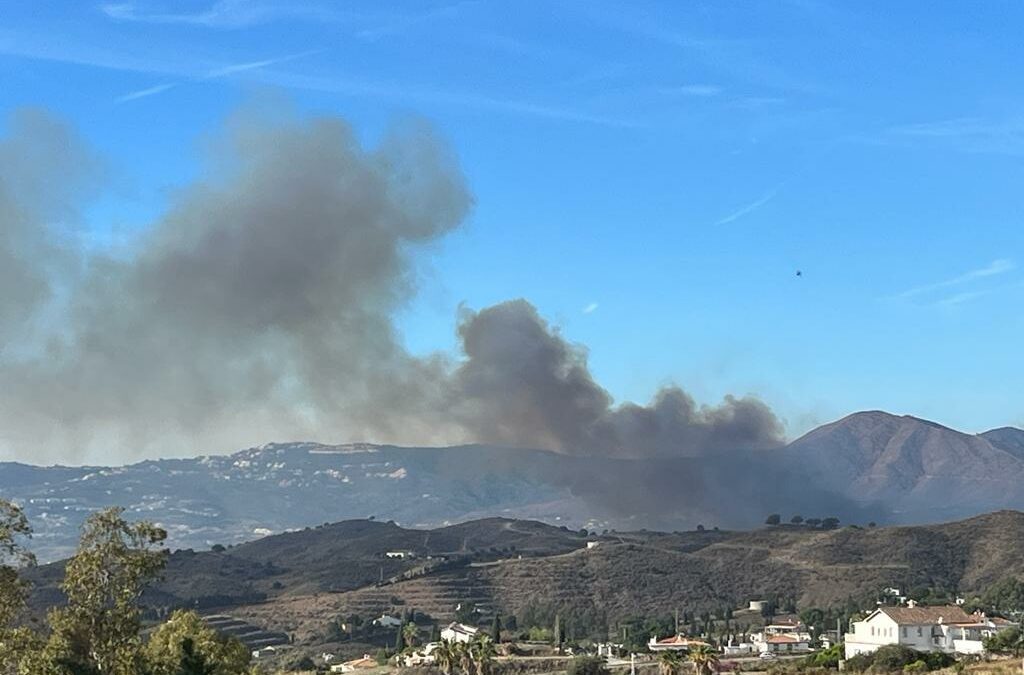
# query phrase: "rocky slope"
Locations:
[[866, 467]]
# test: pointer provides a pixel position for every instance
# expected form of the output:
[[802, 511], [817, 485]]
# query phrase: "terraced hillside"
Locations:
[[297, 583]]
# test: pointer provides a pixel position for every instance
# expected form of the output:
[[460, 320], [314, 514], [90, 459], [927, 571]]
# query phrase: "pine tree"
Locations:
[[496, 628], [193, 662], [399, 640]]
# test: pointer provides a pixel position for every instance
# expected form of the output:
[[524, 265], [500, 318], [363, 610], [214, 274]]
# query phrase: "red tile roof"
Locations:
[[927, 615], [782, 640]]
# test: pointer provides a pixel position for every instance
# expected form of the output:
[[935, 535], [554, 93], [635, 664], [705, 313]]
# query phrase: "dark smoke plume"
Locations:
[[523, 384], [260, 306]]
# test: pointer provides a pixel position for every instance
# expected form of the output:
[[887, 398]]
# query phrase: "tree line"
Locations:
[[98, 630]]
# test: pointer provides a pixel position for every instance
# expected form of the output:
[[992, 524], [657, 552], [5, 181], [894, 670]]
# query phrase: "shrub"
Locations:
[[938, 660], [859, 663], [587, 665], [893, 657]]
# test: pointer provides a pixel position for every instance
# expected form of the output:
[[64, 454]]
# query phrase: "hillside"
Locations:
[[920, 471], [654, 574], [299, 582], [869, 466]]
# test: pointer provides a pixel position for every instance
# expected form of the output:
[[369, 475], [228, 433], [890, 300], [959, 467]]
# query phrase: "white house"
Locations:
[[938, 629], [677, 643], [264, 652], [783, 636], [459, 632], [784, 627], [420, 657], [401, 555], [784, 644], [387, 621], [357, 664]]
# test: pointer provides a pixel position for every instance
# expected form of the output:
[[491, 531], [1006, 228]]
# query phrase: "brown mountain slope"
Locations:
[[654, 574], [920, 470]]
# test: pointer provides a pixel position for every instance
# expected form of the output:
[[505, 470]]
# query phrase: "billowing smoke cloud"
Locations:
[[523, 384], [260, 307]]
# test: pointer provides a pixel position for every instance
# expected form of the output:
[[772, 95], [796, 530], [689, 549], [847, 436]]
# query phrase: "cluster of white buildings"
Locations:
[[936, 629], [947, 629], [781, 637]]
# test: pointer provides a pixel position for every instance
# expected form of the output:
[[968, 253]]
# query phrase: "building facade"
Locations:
[[928, 629]]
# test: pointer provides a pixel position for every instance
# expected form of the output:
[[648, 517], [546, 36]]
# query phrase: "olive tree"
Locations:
[[184, 641], [15, 643], [97, 631]]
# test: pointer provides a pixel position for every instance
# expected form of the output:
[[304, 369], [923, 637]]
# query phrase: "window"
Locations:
[[904, 631], [872, 630], [919, 633]]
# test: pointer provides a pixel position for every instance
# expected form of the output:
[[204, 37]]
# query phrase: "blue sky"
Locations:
[[650, 175]]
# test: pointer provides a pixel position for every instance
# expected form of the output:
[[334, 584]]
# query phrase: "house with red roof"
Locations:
[[946, 628], [678, 643]]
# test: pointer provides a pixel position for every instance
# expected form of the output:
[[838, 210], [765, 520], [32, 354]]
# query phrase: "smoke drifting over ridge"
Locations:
[[260, 305]]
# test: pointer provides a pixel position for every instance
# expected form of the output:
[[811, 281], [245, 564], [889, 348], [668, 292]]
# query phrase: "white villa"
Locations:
[[784, 644], [945, 629], [459, 632], [782, 637], [387, 621], [678, 643]]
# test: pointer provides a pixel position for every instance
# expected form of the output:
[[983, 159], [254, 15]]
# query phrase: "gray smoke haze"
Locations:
[[260, 306], [523, 384]]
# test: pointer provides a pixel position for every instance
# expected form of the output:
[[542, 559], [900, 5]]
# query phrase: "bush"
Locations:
[[587, 665], [826, 658], [894, 657], [859, 663], [938, 660]]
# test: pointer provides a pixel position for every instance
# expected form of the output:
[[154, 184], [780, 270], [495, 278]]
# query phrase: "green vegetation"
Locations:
[[98, 630], [1010, 642], [892, 658], [670, 663], [185, 639], [587, 665], [1006, 595], [826, 658], [704, 660]]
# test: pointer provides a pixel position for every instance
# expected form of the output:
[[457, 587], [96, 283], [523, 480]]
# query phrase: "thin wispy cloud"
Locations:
[[402, 23], [436, 96], [700, 90], [143, 93], [970, 134], [228, 13], [18, 46], [25, 46], [236, 68], [591, 308], [960, 298], [216, 73], [749, 208], [734, 57], [994, 268]]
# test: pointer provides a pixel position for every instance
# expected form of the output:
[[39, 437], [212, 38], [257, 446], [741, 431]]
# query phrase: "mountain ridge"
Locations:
[[869, 465]]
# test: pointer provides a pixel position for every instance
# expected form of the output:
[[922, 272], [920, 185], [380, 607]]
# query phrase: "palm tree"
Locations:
[[482, 653], [669, 662], [463, 657], [446, 656], [704, 659], [411, 634]]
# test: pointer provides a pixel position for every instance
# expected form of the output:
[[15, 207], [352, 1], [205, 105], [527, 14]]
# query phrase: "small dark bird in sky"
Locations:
[[799, 273]]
